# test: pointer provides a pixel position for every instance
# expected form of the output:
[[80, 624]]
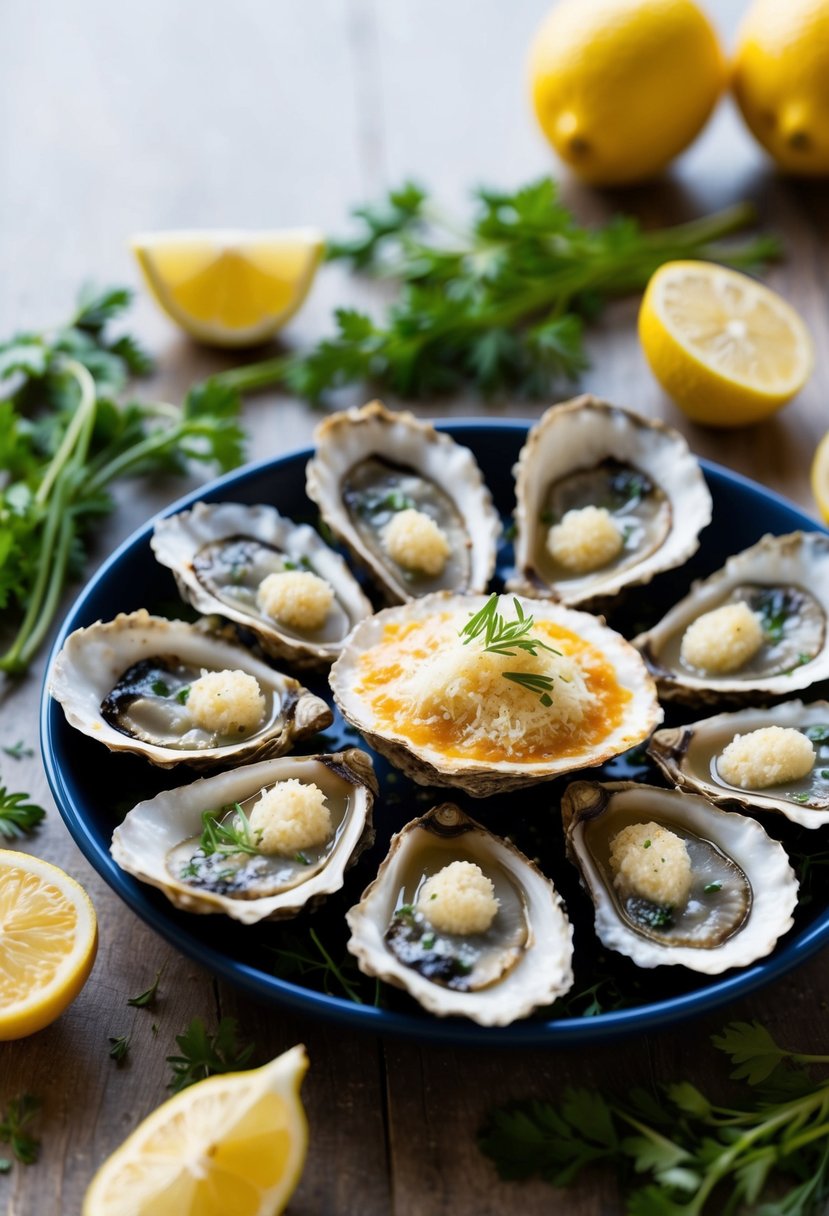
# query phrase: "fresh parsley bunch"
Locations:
[[64, 440], [495, 304], [678, 1153]]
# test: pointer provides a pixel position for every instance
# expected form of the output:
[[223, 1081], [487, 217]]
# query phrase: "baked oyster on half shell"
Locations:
[[264, 572], [761, 759], [674, 880], [754, 630], [408, 501], [159, 840], [464, 922], [449, 712], [605, 499], [129, 683]]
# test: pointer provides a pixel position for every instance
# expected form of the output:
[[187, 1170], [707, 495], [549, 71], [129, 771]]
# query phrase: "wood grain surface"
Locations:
[[115, 118]]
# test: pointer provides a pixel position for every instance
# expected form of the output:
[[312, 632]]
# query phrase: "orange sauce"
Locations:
[[406, 646]]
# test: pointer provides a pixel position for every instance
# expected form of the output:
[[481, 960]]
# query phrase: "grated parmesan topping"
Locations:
[[466, 685]]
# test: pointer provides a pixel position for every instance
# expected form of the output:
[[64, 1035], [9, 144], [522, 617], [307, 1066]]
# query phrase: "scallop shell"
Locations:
[[427, 764], [445, 478], [798, 562], [687, 756], [663, 526], [179, 539], [94, 659], [153, 830], [543, 970], [763, 861]]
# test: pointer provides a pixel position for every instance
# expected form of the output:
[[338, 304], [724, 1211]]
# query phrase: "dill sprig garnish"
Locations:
[[501, 636], [236, 836]]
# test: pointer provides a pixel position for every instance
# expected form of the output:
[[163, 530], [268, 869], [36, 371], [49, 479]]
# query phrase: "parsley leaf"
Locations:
[[147, 998], [13, 1128], [692, 1151], [205, 1055], [18, 817], [120, 1045]]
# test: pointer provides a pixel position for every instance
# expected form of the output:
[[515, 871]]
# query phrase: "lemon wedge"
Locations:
[[230, 1144], [727, 349], [229, 288], [820, 477], [48, 940]]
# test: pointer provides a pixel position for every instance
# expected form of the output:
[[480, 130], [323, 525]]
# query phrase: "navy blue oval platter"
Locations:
[[274, 961]]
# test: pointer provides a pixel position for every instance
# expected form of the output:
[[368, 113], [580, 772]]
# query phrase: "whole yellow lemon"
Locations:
[[781, 81], [620, 87]]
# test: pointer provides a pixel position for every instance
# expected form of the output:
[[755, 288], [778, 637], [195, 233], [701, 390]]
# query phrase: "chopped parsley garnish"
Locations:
[[146, 999], [630, 486], [160, 688], [774, 607], [13, 1124], [18, 817], [646, 844], [300, 857], [373, 502], [405, 910], [501, 636], [824, 772], [183, 694], [120, 1047], [799, 798], [817, 734], [18, 751], [428, 942], [711, 887]]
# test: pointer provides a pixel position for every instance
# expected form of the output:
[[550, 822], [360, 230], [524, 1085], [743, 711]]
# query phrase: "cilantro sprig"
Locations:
[[204, 1055], [64, 441], [496, 303], [500, 636], [679, 1153], [18, 816]]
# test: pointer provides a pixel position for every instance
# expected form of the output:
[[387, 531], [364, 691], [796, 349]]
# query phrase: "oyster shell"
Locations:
[[785, 582], [371, 463], [220, 553], [440, 711], [688, 756], [523, 961], [121, 682], [587, 453], [743, 894], [158, 840]]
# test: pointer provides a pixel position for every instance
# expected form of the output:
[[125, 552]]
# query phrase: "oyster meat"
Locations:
[[129, 684], [674, 880], [447, 711], [691, 757], [162, 840], [409, 502], [604, 499], [753, 630], [493, 970], [225, 557]]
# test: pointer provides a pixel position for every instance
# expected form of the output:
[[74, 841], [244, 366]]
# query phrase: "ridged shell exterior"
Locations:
[[580, 434], [799, 559], [140, 844], [670, 750], [428, 766], [344, 439], [543, 974], [178, 539], [93, 660], [763, 861]]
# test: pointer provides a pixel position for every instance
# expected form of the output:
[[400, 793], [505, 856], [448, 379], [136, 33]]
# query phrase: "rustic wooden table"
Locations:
[[148, 114]]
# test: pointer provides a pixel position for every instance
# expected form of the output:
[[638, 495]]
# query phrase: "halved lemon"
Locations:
[[727, 349], [820, 477], [226, 287], [48, 940], [230, 1144]]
